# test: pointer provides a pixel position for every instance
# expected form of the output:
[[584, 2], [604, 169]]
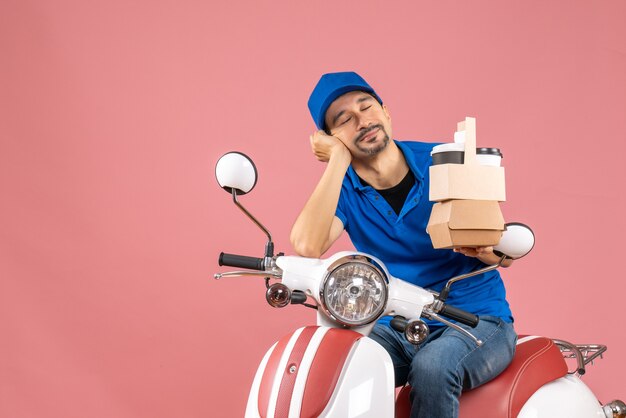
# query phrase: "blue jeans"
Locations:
[[447, 363]]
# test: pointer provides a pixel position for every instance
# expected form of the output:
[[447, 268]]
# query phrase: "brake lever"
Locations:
[[429, 314], [243, 273]]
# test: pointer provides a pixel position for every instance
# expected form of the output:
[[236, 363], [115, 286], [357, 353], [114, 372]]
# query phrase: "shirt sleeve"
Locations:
[[340, 212]]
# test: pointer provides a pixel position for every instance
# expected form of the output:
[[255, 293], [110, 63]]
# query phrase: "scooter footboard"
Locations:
[[323, 372]]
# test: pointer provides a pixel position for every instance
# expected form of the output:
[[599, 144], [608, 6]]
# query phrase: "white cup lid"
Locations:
[[447, 147]]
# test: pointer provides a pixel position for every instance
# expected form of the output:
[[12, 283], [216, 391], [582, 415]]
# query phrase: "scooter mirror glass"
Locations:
[[236, 171], [517, 241]]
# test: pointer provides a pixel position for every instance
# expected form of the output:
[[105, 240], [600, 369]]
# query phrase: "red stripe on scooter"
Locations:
[[325, 370], [289, 378], [267, 381]]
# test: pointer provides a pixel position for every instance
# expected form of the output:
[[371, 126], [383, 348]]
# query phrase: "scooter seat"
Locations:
[[537, 361]]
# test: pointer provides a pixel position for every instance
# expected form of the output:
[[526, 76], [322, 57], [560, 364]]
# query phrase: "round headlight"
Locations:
[[354, 292]]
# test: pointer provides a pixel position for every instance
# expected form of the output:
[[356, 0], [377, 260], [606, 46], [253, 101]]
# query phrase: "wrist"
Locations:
[[492, 258]]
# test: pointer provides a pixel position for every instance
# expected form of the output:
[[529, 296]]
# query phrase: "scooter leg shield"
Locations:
[[323, 372]]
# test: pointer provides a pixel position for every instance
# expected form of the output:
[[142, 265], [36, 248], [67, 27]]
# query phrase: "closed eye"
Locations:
[[365, 108], [345, 121]]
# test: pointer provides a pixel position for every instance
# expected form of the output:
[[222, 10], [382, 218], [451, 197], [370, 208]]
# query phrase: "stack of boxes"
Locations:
[[467, 212]]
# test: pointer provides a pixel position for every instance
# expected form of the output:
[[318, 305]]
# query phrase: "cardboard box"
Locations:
[[469, 181], [465, 181], [465, 223]]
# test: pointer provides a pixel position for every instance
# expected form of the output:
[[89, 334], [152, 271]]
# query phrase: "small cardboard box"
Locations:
[[465, 223], [469, 180]]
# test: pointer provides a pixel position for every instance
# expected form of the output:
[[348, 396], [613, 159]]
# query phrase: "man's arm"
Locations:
[[317, 227], [484, 254]]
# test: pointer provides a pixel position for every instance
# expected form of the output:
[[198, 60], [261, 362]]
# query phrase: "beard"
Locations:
[[378, 147]]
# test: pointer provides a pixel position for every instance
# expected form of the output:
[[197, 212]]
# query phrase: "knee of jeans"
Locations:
[[432, 374]]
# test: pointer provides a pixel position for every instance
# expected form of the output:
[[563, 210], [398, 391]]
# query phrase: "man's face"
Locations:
[[360, 122]]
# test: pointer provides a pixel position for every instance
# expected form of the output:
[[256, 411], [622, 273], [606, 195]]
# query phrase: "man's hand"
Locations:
[[324, 146], [484, 254], [474, 252]]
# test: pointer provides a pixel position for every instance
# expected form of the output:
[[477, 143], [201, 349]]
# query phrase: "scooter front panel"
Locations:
[[252, 408], [271, 378], [330, 359], [366, 385], [298, 375], [292, 370]]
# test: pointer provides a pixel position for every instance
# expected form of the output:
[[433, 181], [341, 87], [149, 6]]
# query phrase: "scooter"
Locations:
[[333, 369]]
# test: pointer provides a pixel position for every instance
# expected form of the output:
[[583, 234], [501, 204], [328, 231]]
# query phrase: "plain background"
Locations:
[[113, 114]]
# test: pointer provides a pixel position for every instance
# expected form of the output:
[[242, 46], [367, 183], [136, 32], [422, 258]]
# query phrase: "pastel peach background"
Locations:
[[113, 114]]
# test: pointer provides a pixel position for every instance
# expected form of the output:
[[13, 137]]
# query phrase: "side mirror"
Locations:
[[517, 241], [235, 172]]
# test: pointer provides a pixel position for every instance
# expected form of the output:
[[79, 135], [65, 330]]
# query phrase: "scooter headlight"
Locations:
[[354, 292]]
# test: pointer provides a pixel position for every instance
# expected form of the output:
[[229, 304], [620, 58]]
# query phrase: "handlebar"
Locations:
[[242, 261], [399, 323], [459, 315]]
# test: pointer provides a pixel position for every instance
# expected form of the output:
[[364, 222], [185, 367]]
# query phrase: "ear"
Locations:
[[386, 110]]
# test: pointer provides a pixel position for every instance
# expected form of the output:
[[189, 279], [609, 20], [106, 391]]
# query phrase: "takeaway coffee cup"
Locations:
[[489, 156], [454, 153], [450, 153]]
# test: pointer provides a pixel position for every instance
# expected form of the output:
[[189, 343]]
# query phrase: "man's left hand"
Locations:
[[484, 254], [475, 251]]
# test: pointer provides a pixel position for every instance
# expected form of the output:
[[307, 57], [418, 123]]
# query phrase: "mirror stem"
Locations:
[[446, 290], [269, 247]]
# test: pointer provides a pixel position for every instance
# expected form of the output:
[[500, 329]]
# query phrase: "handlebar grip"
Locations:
[[298, 297], [459, 315], [243, 261], [399, 323]]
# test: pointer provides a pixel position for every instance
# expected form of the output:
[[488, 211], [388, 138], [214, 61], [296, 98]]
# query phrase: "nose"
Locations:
[[362, 123]]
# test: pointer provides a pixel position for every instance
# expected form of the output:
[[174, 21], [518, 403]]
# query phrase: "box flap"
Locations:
[[469, 126], [474, 214]]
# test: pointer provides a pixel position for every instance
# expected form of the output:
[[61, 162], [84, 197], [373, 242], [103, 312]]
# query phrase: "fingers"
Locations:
[[467, 251], [474, 251], [484, 250], [321, 135], [326, 146], [464, 250], [335, 134], [320, 147], [323, 145]]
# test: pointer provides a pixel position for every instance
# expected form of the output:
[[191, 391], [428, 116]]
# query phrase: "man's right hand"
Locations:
[[324, 146]]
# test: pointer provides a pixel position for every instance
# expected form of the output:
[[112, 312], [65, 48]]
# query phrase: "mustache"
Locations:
[[366, 131]]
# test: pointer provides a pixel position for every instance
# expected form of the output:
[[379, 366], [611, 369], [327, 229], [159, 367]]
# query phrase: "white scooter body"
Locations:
[[564, 397], [365, 385]]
